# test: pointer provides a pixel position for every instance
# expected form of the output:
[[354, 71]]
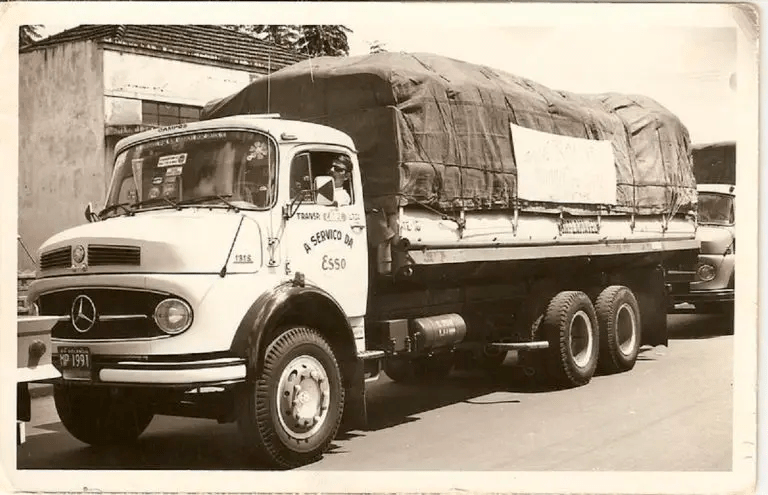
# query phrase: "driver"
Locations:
[[206, 186], [341, 166]]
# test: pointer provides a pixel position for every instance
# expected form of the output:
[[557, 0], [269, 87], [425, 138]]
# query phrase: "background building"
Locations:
[[83, 89]]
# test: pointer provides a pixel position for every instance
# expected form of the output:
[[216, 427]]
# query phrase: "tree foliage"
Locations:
[[312, 40], [377, 46], [29, 33]]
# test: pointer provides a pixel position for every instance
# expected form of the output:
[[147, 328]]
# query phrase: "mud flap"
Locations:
[[650, 290], [23, 402], [355, 408]]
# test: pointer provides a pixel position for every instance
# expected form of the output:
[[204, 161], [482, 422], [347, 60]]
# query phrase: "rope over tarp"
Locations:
[[437, 130]]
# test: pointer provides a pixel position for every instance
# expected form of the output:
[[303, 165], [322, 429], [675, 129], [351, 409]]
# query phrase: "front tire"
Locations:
[[618, 317], [101, 416], [570, 326], [289, 414]]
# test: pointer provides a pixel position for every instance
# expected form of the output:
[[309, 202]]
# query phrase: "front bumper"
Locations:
[[705, 296], [168, 371], [719, 290]]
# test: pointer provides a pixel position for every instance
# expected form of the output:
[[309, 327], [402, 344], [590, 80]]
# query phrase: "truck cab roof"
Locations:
[[282, 130]]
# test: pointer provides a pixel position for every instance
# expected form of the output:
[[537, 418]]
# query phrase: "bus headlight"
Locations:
[[706, 272], [173, 316]]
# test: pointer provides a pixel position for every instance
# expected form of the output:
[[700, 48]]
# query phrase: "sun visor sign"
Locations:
[[172, 160], [326, 189], [173, 171]]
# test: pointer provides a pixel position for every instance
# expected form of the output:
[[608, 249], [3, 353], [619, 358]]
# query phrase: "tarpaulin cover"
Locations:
[[435, 130]]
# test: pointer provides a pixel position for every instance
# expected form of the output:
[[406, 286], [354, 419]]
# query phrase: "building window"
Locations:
[[162, 114]]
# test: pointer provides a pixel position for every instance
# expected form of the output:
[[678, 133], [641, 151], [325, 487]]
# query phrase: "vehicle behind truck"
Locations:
[[712, 290], [401, 213]]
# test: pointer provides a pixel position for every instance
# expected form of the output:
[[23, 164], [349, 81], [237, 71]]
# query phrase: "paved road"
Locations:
[[673, 412]]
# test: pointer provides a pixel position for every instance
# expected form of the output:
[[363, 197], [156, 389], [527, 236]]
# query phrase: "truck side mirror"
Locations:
[[89, 214], [325, 190]]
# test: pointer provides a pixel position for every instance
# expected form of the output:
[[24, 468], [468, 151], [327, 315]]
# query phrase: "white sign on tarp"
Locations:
[[563, 169]]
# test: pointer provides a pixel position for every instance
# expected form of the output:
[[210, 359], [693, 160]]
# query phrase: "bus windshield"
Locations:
[[716, 209], [237, 165]]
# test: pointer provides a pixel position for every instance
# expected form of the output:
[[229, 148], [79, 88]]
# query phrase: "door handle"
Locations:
[[357, 227]]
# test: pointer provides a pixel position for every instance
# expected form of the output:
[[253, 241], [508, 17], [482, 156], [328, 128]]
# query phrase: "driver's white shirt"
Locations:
[[341, 197]]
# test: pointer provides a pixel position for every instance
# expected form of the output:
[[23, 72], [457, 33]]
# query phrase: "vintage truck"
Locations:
[[225, 278], [713, 289]]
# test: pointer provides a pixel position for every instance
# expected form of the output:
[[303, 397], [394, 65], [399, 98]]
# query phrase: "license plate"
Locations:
[[75, 363]]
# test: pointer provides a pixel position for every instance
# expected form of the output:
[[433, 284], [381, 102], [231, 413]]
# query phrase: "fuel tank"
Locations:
[[434, 332]]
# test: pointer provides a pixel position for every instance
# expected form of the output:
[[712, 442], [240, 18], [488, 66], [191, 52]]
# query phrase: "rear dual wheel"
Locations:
[[618, 316], [583, 338], [570, 326]]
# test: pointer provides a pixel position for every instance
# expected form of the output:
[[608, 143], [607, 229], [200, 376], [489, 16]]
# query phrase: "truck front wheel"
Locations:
[[102, 416], [618, 316], [570, 326], [289, 414]]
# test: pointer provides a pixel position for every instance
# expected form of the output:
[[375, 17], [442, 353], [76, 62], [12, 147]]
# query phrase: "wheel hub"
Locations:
[[303, 395], [626, 329], [580, 339]]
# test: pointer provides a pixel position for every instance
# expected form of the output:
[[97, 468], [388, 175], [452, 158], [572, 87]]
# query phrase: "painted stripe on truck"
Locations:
[[460, 254]]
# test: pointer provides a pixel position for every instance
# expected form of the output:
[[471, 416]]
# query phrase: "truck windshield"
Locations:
[[236, 165], [716, 209]]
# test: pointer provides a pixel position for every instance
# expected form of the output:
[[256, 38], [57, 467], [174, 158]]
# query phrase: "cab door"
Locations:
[[327, 243]]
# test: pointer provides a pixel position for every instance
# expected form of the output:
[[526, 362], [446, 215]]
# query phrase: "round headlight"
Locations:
[[706, 272], [78, 254], [173, 316]]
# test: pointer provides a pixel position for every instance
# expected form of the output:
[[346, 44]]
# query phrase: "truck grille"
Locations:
[[113, 255], [121, 313], [57, 258]]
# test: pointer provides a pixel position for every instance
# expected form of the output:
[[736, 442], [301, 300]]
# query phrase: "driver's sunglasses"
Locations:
[[338, 169]]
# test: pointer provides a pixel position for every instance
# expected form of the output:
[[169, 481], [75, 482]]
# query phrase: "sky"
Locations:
[[689, 70]]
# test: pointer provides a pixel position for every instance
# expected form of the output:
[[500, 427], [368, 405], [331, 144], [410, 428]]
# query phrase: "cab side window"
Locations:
[[307, 166], [301, 178]]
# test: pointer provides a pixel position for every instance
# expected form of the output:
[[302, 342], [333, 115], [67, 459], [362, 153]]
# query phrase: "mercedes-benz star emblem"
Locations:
[[83, 313]]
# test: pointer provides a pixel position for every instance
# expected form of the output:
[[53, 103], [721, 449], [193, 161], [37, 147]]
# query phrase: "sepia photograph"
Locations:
[[380, 247]]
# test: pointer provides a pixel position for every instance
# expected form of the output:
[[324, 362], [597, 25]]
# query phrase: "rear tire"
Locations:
[[618, 318], [100, 416], [570, 326], [289, 415]]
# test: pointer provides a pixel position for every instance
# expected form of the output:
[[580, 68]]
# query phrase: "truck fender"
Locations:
[[272, 307]]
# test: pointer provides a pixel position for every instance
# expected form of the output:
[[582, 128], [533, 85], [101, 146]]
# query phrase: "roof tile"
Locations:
[[200, 41]]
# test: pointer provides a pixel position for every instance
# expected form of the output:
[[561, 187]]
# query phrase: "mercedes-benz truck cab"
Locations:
[[199, 260]]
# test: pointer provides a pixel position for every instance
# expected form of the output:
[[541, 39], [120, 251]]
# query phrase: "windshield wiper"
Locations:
[[125, 206], [154, 200], [202, 199]]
